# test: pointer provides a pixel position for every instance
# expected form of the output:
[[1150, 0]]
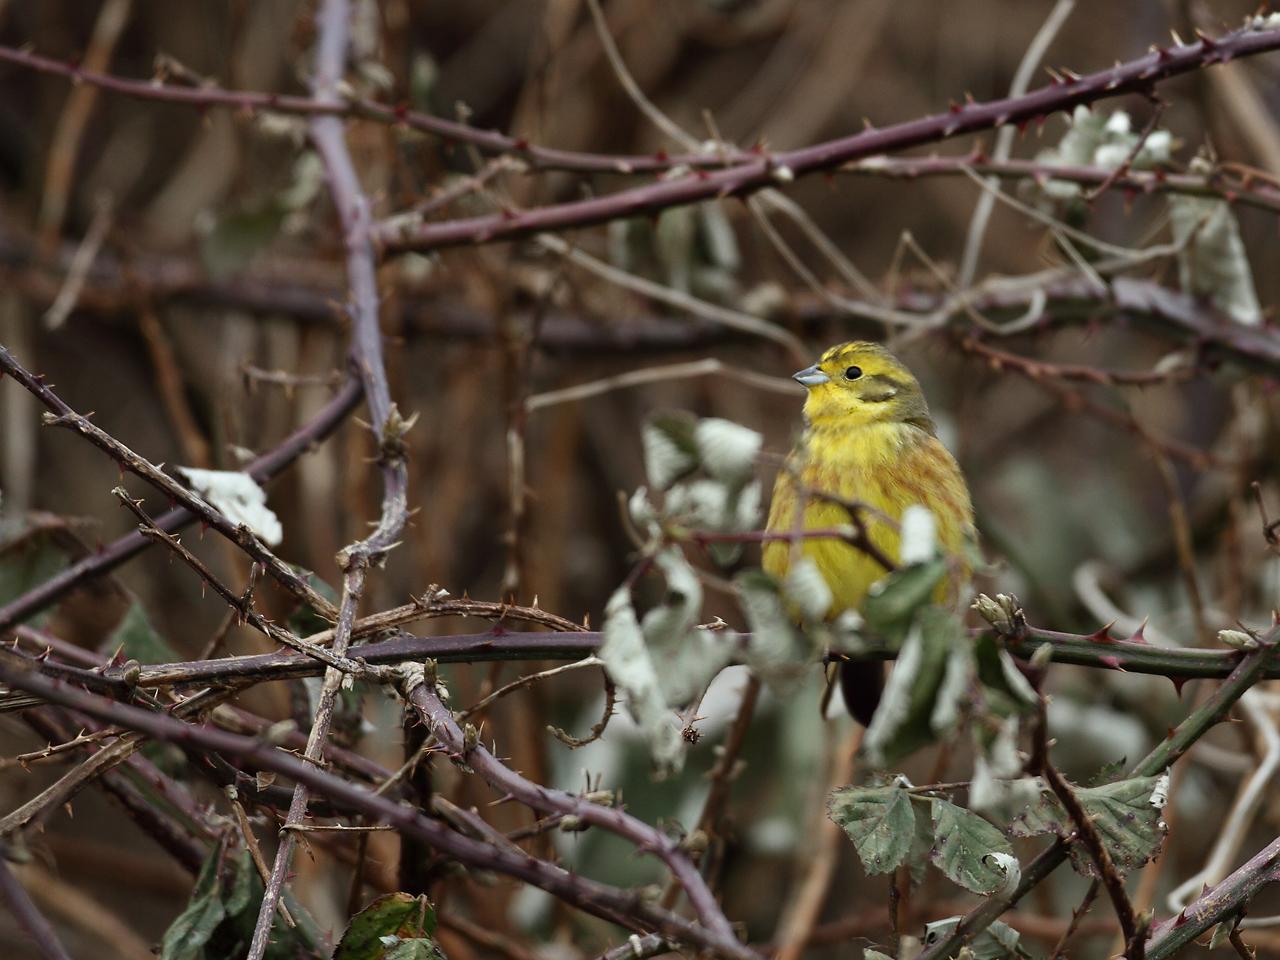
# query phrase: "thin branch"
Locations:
[[734, 319], [333, 658], [768, 170], [67, 297], [1218, 184], [1091, 894], [28, 914], [1035, 52], [709, 366]]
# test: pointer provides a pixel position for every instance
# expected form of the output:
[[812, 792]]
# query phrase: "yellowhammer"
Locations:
[[868, 438]]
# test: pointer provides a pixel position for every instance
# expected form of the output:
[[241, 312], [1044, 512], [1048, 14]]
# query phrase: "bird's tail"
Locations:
[[861, 683]]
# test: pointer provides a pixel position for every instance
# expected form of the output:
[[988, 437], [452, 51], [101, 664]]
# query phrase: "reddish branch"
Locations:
[[767, 170], [250, 102], [28, 914]]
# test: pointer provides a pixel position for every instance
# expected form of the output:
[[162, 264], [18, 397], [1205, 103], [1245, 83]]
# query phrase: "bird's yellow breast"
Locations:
[[887, 465]]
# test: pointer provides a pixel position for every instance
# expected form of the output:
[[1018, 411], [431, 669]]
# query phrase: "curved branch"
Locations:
[[439, 719]]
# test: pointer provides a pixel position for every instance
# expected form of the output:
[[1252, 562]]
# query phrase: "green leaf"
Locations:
[[242, 887], [187, 935], [893, 601], [400, 918], [1212, 261], [670, 451], [779, 651], [627, 660], [807, 590], [1131, 826], [139, 640], [879, 821], [415, 949], [998, 942], [669, 621], [921, 839], [963, 848], [1005, 690], [1129, 823], [903, 721], [953, 692]]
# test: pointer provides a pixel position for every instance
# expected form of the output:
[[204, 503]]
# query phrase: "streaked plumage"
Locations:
[[868, 437]]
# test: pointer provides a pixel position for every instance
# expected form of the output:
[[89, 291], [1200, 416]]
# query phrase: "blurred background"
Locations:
[[208, 324]]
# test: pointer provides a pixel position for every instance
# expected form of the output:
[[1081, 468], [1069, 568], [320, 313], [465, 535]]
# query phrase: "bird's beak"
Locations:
[[810, 376]]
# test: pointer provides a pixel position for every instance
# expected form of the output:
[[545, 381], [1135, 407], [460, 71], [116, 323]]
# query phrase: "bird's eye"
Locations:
[[853, 373]]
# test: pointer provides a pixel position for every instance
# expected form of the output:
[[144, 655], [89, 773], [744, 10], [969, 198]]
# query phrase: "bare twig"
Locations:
[[1077, 915], [28, 914], [57, 314], [1035, 52]]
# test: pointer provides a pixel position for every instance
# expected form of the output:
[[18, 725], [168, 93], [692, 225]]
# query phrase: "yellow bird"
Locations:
[[868, 438]]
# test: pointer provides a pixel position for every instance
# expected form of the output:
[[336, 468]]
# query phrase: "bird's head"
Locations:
[[859, 383]]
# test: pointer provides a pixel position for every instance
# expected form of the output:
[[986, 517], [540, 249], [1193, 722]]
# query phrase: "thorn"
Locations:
[[1139, 634], [1103, 634], [1112, 661], [1178, 684]]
